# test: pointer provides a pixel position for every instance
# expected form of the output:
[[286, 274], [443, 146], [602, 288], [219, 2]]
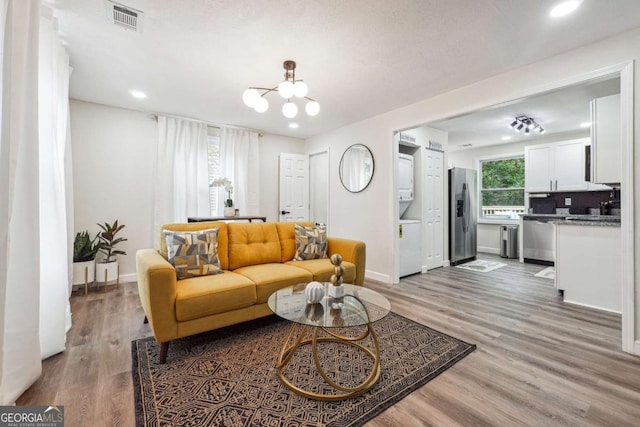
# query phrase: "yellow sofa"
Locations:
[[257, 259]]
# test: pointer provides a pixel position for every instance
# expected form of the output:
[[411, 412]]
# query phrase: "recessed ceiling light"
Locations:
[[564, 8], [138, 94], [585, 124], [505, 138], [294, 125]]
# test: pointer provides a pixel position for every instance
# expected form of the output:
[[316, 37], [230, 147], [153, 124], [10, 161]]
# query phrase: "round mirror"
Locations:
[[356, 168]]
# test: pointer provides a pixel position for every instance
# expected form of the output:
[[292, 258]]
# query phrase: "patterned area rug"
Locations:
[[228, 377], [547, 273], [481, 265]]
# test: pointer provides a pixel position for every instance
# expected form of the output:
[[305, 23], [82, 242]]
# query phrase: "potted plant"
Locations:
[[228, 204], [107, 268], [84, 254]]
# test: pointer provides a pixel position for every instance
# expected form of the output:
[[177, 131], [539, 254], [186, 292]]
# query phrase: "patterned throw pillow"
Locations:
[[311, 242], [193, 253]]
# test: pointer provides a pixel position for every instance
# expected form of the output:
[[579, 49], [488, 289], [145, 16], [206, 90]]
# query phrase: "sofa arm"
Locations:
[[352, 251], [157, 289]]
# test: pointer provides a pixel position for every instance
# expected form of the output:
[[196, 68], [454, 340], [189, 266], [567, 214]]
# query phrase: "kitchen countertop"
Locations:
[[591, 220]]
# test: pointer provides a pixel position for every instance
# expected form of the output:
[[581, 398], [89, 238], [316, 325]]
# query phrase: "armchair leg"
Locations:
[[145, 320], [164, 348]]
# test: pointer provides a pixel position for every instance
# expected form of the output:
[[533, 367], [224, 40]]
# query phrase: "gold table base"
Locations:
[[288, 351]]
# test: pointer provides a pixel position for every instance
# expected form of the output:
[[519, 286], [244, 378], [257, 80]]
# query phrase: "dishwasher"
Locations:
[[539, 238]]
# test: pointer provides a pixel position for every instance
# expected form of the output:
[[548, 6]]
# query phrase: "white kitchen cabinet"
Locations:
[[555, 167], [605, 140], [588, 265]]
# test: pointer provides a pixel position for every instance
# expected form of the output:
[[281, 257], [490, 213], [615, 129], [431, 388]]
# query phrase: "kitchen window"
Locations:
[[501, 187]]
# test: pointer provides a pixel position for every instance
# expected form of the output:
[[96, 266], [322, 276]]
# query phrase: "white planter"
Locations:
[[84, 272], [110, 267], [230, 211]]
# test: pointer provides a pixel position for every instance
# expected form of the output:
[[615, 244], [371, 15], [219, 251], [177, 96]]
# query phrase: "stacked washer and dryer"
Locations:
[[410, 235]]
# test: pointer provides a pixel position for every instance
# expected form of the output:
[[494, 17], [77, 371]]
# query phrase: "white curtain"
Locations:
[[20, 362], [181, 172], [240, 162], [53, 103]]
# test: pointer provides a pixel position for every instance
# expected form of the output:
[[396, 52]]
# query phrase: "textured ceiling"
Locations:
[[360, 58]]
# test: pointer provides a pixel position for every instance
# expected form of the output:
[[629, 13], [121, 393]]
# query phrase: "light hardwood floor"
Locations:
[[539, 362]]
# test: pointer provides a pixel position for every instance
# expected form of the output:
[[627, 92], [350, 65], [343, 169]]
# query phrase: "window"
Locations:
[[213, 147], [502, 188]]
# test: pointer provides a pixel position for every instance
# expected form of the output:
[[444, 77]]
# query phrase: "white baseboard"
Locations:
[[636, 348], [595, 308], [131, 277], [378, 277], [424, 269], [446, 263], [487, 250]]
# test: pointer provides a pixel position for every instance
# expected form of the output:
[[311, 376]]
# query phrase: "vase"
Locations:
[[84, 272], [111, 268], [229, 211]]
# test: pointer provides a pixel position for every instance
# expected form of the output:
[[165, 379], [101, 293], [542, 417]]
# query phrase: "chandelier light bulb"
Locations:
[[261, 105], [285, 89], [290, 110], [300, 89], [250, 97], [312, 108], [531, 125]]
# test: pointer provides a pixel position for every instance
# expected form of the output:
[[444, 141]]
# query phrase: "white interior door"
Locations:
[[294, 187], [319, 187], [433, 219]]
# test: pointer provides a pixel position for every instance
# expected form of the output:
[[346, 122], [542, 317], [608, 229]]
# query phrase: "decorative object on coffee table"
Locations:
[[337, 290], [314, 291]]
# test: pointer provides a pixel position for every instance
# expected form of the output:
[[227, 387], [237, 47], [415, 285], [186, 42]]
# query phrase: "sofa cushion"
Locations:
[[271, 277], [203, 296], [223, 252], [193, 253], [311, 242], [253, 244], [322, 269], [287, 235]]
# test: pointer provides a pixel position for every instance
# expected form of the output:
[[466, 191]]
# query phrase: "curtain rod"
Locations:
[[154, 116]]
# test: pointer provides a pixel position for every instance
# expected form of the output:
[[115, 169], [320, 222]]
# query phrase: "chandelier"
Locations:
[[526, 123], [288, 88]]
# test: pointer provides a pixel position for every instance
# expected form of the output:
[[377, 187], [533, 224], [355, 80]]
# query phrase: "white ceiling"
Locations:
[[360, 58], [558, 112]]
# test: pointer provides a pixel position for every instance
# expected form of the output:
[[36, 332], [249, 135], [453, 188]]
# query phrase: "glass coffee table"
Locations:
[[329, 322]]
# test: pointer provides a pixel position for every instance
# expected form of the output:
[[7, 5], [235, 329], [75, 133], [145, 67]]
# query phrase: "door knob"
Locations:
[[285, 212]]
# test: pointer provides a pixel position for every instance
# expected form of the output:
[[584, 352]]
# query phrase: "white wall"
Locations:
[[270, 148], [113, 156], [369, 215]]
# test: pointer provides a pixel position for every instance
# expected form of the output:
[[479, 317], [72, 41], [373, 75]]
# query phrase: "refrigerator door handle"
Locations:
[[465, 218]]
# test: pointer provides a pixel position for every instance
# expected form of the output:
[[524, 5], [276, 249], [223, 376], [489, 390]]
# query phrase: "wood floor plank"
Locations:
[[539, 361]]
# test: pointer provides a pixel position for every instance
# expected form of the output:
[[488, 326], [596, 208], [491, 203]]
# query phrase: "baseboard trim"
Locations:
[[636, 348], [487, 250], [595, 308], [424, 269], [131, 277], [378, 277], [446, 263]]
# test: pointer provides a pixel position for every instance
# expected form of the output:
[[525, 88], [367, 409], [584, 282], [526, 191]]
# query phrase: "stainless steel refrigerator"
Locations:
[[462, 215]]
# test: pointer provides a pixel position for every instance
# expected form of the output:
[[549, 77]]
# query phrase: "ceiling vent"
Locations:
[[124, 16]]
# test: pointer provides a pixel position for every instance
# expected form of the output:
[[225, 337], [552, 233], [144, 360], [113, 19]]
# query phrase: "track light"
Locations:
[[527, 123]]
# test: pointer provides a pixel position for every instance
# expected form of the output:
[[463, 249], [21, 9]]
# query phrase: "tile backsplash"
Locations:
[[581, 201]]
